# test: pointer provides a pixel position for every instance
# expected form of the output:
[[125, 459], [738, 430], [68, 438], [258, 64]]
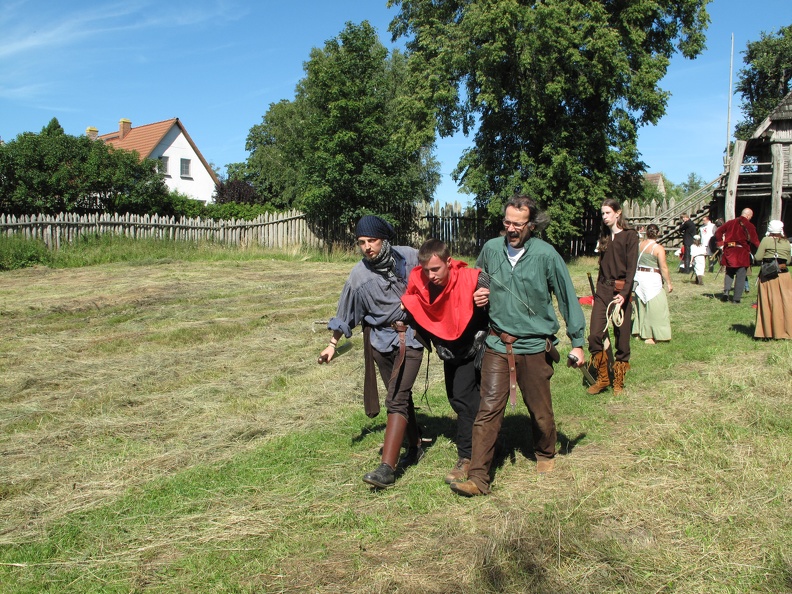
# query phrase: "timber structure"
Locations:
[[759, 173]]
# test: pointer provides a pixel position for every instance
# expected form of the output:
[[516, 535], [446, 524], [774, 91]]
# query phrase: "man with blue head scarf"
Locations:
[[372, 297]]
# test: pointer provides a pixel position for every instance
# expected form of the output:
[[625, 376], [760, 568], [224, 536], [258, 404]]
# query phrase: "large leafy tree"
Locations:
[[352, 141], [54, 172], [276, 161], [766, 78], [553, 91]]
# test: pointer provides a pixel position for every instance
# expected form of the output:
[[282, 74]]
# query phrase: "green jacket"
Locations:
[[520, 297]]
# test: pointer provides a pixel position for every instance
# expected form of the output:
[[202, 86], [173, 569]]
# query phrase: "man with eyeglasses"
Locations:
[[524, 271]]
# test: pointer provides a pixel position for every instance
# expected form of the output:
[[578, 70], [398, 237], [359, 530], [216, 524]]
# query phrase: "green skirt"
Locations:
[[652, 319]]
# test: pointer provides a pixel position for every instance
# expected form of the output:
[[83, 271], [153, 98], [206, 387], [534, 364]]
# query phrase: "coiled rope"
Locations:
[[615, 317]]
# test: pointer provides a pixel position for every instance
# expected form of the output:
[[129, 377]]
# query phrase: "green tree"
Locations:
[[276, 159], [554, 91], [352, 141], [54, 172], [651, 193], [693, 183], [765, 80]]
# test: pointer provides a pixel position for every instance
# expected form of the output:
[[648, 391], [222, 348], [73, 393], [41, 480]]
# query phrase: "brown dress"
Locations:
[[774, 301]]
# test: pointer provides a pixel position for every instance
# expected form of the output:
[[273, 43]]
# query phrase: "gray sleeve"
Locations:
[[349, 312]]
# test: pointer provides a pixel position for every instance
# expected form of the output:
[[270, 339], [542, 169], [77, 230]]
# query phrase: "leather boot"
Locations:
[[415, 449], [620, 369], [700, 279], [459, 472], [385, 474], [466, 489], [600, 360]]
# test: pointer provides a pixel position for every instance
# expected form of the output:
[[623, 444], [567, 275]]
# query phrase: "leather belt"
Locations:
[[401, 329], [507, 339], [733, 244], [647, 269]]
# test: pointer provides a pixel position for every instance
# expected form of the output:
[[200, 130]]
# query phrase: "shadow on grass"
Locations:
[[744, 329], [515, 434], [516, 438], [367, 430], [432, 426]]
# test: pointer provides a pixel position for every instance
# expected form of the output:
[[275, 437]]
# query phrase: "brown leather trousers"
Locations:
[[533, 377]]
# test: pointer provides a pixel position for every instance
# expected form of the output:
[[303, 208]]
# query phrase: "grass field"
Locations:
[[164, 427]]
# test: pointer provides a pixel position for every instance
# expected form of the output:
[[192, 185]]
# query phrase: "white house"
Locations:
[[185, 169]]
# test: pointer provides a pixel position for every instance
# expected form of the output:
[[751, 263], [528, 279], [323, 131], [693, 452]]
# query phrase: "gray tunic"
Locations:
[[372, 298]]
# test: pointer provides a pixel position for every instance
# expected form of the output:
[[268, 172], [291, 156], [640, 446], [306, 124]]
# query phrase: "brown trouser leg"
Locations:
[[533, 376], [621, 335], [401, 401]]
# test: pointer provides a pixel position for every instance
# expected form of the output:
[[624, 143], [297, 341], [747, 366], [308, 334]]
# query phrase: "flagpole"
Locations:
[[728, 113]]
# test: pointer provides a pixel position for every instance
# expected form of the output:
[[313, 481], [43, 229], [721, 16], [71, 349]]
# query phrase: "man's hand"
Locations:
[[577, 352], [481, 297], [620, 298], [326, 355]]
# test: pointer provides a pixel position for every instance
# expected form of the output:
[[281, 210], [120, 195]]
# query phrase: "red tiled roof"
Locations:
[[142, 139]]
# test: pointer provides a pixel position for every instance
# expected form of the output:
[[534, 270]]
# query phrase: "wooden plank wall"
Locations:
[[277, 230], [460, 228]]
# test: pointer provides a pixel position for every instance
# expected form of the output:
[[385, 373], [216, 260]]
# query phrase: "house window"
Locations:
[[162, 165], [185, 168]]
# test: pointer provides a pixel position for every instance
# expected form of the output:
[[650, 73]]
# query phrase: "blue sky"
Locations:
[[218, 64]]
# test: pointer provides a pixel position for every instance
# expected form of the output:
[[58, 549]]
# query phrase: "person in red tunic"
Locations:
[[736, 237], [439, 298]]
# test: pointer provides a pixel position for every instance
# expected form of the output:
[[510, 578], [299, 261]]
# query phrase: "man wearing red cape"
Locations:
[[439, 298], [736, 237]]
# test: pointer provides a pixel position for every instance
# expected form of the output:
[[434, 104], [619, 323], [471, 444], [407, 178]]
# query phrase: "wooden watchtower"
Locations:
[[759, 173]]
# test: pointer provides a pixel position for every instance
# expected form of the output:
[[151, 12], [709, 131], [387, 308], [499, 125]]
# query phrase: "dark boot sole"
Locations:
[[377, 484]]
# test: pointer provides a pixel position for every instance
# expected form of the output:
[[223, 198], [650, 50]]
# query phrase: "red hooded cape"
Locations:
[[450, 313]]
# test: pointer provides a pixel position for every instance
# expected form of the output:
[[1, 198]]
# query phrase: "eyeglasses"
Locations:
[[517, 226]]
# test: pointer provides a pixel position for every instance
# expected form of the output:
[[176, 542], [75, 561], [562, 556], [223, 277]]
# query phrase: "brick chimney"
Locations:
[[124, 126], [91, 132]]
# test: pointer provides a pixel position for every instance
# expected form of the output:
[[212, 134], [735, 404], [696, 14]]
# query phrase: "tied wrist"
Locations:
[[332, 345]]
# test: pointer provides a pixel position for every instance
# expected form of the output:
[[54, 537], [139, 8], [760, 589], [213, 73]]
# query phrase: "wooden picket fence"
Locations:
[[461, 228], [275, 230]]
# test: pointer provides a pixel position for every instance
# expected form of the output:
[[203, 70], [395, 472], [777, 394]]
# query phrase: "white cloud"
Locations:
[[22, 93], [30, 31]]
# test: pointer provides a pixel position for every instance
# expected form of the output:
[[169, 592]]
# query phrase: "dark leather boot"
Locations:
[[385, 474], [415, 449]]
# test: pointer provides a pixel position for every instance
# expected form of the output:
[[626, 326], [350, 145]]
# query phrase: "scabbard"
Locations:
[[371, 403]]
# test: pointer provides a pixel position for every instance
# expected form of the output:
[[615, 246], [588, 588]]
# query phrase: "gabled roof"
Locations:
[[656, 179], [783, 111], [144, 139]]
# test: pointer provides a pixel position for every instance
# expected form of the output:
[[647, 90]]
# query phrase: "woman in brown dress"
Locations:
[[774, 302]]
